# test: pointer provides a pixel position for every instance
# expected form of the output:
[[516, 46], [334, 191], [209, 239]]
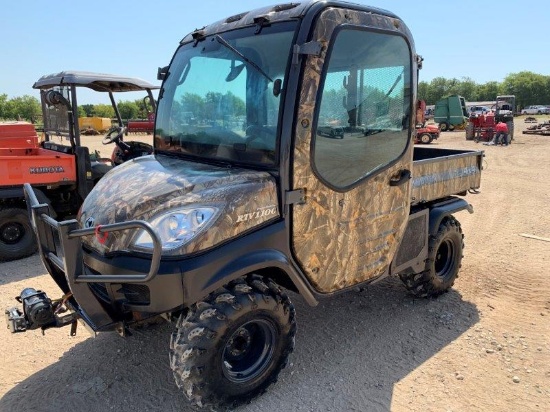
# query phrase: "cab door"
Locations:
[[353, 151]]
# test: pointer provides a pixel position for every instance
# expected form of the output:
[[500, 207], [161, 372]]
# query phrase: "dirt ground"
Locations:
[[484, 346]]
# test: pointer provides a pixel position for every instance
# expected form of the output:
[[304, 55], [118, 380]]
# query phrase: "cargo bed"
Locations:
[[438, 173], [36, 166]]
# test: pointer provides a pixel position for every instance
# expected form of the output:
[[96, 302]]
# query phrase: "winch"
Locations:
[[39, 311]]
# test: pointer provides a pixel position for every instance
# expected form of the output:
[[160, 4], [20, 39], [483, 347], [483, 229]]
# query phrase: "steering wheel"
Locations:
[[114, 134]]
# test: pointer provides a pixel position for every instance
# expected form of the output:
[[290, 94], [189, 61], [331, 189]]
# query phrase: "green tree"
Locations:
[[3, 102], [467, 88], [423, 90], [88, 109], [528, 87], [129, 110], [437, 90], [103, 110], [192, 105], [22, 108], [236, 105], [144, 107], [487, 91]]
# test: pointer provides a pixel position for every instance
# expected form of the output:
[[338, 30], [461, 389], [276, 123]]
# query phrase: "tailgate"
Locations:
[[438, 173], [36, 166]]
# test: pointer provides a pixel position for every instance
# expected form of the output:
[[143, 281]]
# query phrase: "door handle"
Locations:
[[404, 176]]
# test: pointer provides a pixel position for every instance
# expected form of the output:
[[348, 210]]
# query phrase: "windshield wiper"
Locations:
[[224, 42]]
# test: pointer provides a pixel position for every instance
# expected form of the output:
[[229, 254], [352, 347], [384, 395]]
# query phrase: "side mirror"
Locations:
[[162, 73]]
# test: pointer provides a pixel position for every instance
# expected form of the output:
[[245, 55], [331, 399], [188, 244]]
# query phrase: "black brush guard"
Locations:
[[60, 248]]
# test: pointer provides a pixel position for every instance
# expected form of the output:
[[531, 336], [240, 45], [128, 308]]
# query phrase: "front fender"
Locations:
[[200, 283]]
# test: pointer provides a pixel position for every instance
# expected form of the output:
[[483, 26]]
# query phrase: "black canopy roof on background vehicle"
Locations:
[[100, 82]]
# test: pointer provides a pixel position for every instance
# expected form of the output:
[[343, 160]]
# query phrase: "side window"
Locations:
[[363, 106]]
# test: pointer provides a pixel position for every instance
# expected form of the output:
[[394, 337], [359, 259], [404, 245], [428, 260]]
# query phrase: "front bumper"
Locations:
[[99, 288]]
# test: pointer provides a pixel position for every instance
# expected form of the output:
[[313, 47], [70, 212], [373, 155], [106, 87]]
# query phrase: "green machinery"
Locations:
[[450, 112]]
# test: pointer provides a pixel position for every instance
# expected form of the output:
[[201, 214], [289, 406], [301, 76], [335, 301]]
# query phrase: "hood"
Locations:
[[148, 186], [432, 128]]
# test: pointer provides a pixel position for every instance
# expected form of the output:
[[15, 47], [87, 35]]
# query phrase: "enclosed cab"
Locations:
[[284, 159]]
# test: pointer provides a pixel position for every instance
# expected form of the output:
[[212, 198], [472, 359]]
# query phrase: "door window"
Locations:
[[364, 107]]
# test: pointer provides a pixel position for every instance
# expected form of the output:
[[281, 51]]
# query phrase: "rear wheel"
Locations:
[[443, 263], [443, 126], [230, 347], [451, 127], [17, 238], [426, 138]]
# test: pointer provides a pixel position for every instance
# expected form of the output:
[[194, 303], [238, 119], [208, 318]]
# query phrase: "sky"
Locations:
[[133, 38]]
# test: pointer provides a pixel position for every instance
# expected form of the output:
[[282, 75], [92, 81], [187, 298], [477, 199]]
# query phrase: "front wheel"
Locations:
[[443, 263], [17, 238], [230, 347], [444, 126]]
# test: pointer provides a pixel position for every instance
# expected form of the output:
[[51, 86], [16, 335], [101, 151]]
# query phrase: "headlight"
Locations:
[[177, 227]]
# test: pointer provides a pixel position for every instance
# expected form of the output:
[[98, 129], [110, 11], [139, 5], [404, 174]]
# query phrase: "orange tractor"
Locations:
[[61, 171]]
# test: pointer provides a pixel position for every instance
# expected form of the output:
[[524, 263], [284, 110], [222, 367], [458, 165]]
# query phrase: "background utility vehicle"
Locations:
[[62, 174], [250, 200]]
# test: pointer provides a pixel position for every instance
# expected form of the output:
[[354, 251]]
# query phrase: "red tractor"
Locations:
[[481, 127], [425, 133]]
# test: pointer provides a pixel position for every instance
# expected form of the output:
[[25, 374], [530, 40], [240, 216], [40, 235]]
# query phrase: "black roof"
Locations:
[[100, 82], [280, 12]]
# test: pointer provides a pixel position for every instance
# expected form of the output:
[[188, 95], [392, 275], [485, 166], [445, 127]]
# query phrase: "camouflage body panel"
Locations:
[[147, 186], [342, 239], [445, 176]]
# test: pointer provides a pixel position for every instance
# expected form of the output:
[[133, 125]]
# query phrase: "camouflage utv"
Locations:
[[243, 198]]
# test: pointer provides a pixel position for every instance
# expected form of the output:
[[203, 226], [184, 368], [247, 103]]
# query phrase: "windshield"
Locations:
[[222, 97]]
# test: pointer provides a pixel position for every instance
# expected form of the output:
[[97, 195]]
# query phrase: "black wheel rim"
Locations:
[[11, 233], [249, 351], [444, 259]]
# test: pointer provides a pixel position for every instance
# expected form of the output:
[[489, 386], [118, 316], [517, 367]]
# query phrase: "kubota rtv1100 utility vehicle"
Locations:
[[248, 199], [61, 171]]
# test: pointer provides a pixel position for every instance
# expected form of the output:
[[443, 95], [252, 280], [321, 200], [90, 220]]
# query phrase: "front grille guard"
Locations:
[[60, 245]]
